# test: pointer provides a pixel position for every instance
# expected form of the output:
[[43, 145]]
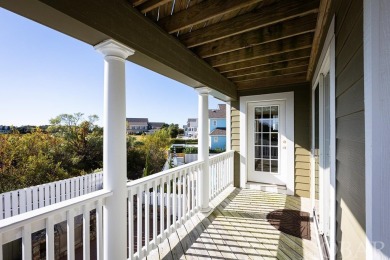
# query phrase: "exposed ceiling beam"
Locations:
[[269, 67], [119, 20], [273, 73], [292, 55], [273, 82], [152, 4], [260, 18], [297, 26], [201, 12], [319, 35], [272, 48], [138, 2]]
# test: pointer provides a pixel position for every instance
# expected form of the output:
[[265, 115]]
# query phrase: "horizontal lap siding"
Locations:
[[301, 137], [350, 144]]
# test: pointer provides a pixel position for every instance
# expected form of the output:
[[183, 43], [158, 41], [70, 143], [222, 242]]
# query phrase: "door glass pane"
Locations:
[[258, 165], [266, 139]]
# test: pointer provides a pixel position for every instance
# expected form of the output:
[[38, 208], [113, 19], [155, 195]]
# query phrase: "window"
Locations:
[[214, 122], [215, 139]]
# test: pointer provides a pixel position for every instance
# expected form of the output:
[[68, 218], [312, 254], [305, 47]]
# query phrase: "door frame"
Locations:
[[288, 97], [326, 63]]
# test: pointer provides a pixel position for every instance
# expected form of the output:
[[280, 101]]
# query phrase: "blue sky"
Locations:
[[44, 73]]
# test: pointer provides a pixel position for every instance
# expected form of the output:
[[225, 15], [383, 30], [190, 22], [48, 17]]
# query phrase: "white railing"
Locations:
[[24, 225], [23, 200], [180, 186], [221, 172], [157, 206]]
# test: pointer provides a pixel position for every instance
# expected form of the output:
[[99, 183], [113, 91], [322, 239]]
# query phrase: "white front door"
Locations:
[[267, 144]]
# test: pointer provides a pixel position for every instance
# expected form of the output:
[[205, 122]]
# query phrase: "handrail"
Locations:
[[155, 176], [41, 213]]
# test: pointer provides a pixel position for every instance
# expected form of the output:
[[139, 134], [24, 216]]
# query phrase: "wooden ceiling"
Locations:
[[253, 43]]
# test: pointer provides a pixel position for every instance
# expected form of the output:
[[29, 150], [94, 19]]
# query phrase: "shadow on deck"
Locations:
[[238, 229]]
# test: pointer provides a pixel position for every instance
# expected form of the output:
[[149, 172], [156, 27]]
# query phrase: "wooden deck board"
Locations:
[[238, 229]]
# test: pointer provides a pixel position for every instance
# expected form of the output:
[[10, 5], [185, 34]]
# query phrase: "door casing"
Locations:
[[288, 97]]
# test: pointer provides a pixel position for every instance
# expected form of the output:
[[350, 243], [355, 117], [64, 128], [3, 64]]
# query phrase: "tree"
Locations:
[[83, 146], [155, 149]]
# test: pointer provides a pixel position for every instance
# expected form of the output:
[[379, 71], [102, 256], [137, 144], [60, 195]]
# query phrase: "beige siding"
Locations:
[[350, 130], [302, 135]]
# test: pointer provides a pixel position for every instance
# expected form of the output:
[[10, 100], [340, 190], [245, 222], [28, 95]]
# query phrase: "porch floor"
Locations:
[[238, 229]]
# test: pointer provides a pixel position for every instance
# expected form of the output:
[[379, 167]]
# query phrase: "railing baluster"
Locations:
[[193, 190], [22, 201], [1, 207], [168, 205], [162, 204], [58, 191], [47, 195], [86, 233], [179, 206], [70, 237], [99, 230], [69, 189], [139, 222], [26, 242], [147, 206], [188, 194], [52, 193], [7, 204], [155, 212], [14, 203], [131, 223], [35, 198], [50, 238], [184, 196], [174, 201]]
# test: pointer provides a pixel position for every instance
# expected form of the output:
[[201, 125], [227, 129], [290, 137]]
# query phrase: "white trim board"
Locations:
[[289, 98], [376, 29]]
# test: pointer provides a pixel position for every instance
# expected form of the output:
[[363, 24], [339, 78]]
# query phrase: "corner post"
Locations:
[[203, 148], [114, 148]]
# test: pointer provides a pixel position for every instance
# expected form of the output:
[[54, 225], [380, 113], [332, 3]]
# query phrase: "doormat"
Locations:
[[292, 222]]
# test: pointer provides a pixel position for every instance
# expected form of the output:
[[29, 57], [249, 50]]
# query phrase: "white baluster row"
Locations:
[[24, 225], [221, 172], [171, 196], [23, 200]]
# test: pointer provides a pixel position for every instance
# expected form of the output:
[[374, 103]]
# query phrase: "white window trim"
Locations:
[[289, 97], [327, 61]]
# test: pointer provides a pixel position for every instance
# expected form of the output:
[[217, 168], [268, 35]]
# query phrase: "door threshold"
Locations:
[[275, 188]]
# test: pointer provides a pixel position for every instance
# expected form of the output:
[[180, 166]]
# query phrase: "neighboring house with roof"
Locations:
[[154, 126], [137, 125], [191, 129], [217, 126]]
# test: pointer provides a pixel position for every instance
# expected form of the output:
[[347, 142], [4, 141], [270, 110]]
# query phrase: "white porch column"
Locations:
[[114, 148], [377, 126], [203, 147]]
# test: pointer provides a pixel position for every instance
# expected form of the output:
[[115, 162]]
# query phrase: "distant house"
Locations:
[[5, 129], [191, 129], [154, 126], [217, 125], [137, 125]]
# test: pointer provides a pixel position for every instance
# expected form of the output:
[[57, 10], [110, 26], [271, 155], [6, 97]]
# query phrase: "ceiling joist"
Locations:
[[152, 4], [272, 48], [268, 67], [273, 82], [202, 12], [297, 26], [273, 73], [260, 18], [292, 55]]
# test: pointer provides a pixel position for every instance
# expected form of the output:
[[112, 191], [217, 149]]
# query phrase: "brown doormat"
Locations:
[[292, 222]]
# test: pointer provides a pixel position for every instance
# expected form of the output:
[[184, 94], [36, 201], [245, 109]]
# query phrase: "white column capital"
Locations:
[[111, 47], [203, 90]]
